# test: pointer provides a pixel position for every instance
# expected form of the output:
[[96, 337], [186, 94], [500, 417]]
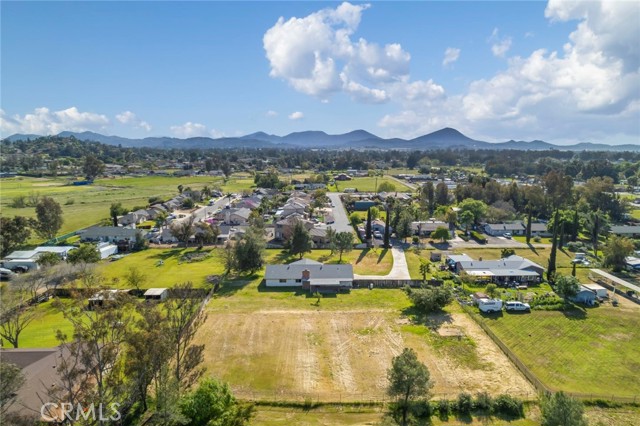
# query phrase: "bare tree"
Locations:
[[15, 314]]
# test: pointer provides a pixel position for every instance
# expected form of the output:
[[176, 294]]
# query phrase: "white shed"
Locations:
[[597, 289], [156, 294]]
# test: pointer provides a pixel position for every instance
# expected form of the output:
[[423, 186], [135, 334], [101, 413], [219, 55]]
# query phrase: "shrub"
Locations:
[[355, 219], [463, 235], [508, 405], [464, 403], [19, 202], [483, 402], [444, 408], [478, 237], [537, 239], [576, 246], [69, 202], [421, 409]]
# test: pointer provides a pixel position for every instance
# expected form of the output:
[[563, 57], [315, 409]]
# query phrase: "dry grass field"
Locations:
[[332, 351]]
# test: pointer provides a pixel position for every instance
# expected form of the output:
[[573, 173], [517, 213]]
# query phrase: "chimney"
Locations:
[[306, 275]]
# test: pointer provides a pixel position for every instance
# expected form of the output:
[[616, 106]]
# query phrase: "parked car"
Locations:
[[377, 235], [6, 274], [507, 235], [517, 306]]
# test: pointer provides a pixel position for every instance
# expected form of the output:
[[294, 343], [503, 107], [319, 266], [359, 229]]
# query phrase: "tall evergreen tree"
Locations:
[[368, 228], [528, 234], [386, 228], [551, 270], [576, 226]]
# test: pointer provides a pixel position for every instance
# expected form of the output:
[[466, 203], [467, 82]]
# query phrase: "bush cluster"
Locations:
[[547, 302], [478, 237], [465, 404]]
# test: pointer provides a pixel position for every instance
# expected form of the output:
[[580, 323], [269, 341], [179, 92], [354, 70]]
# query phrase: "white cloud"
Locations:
[[271, 113], [46, 122], [450, 56], [129, 118], [189, 130], [316, 56], [500, 45], [297, 115]]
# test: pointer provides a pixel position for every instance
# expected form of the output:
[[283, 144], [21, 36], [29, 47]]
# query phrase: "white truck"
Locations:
[[490, 305]]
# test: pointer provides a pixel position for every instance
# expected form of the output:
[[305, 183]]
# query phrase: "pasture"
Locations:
[[588, 351], [368, 184]]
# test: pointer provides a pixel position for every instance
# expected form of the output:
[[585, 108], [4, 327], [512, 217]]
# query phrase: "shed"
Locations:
[[156, 294], [597, 289], [584, 296]]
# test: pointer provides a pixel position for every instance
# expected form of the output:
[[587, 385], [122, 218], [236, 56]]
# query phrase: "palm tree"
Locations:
[[596, 224]]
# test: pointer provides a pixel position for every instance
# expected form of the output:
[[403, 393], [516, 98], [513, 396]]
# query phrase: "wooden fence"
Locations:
[[389, 283]]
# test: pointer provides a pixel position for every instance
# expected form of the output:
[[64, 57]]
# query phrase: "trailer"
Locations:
[[490, 305]]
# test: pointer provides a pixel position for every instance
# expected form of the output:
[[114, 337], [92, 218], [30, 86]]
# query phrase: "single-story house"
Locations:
[[310, 275], [499, 229], [539, 230], [156, 294], [632, 231], [378, 226], [584, 296], [110, 234], [342, 177], [425, 228], [134, 218], [21, 260], [512, 268], [319, 236]]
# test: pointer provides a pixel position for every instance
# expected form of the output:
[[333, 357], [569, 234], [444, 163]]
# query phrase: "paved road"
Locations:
[[340, 217], [406, 183], [399, 271]]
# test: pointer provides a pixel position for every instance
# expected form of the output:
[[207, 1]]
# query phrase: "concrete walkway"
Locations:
[[399, 271]]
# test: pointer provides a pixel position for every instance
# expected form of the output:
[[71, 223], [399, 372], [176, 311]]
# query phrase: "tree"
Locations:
[[92, 167], [344, 243], [528, 232], [229, 258], [300, 240], [48, 259], [375, 213], [567, 287], [551, 269], [355, 219], [466, 219], [441, 194], [14, 232], [85, 254], [49, 218], [596, 224], [226, 169], [184, 317], [441, 233], [180, 188], [408, 379], [205, 233], [429, 299], [368, 226], [427, 196], [16, 314], [387, 229], [559, 187], [477, 208], [403, 228], [386, 187], [249, 251], [506, 252], [615, 252], [116, 210], [425, 265], [183, 230], [161, 219], [491, 290], [213, 404], [559, 409], [11, 380], [134, 277]]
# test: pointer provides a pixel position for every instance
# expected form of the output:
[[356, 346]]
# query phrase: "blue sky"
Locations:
[[494, 70]]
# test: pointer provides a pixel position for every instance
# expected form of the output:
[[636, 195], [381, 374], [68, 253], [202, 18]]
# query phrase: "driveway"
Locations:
[[399, 271], [341, 220]]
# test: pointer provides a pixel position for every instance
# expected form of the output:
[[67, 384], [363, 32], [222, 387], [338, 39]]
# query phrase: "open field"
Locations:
[[592, 351], [368, 184], [287, 345]]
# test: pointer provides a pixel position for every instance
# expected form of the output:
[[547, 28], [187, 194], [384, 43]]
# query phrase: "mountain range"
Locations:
[[446, 138]]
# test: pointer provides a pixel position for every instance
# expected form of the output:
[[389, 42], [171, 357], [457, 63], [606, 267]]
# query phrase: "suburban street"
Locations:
[[341, 220]]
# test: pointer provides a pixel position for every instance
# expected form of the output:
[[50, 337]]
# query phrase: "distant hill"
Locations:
[[446, 138]]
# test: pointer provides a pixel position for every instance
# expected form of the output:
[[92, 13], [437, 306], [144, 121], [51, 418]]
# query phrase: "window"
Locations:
[[283, 281], [299, 280]]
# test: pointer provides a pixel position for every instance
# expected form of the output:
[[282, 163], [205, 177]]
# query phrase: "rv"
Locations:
[[490, 305]]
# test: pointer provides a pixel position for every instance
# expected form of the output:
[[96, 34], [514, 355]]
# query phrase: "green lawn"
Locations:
[[413, 257], [594, 351], [41, 333]]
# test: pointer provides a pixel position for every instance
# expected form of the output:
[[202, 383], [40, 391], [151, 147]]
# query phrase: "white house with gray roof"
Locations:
[[509, 269], [499, 229], [311, 275]]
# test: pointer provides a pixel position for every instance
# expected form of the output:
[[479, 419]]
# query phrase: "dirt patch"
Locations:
[[342, 355]]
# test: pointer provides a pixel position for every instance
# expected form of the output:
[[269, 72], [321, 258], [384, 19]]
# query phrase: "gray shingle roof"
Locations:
[[317, 270]]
